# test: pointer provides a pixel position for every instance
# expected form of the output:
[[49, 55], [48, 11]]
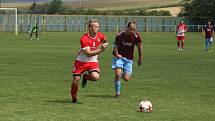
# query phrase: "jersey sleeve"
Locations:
[[139, 40], [118, 38], [185, 27], [117, 41], [84, 43], [101, 36], [177, 28]]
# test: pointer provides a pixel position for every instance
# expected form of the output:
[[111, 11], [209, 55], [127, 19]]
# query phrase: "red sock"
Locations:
[[74, 90]]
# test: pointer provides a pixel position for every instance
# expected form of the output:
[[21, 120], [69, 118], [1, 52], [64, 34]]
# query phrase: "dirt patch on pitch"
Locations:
[[173, 10]]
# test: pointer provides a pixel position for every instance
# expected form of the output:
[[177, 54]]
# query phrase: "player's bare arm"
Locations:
[[104, 44], [105, 40], [213, 33], [99, 50], [139, 46], [117, 55]]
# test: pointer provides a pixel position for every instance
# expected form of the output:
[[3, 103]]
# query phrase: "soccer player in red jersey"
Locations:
[[180, 30], [123, 54], [209, 32], [92, 44]]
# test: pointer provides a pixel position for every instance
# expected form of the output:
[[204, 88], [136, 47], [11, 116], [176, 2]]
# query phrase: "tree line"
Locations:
[[57, 7], [200, 11]]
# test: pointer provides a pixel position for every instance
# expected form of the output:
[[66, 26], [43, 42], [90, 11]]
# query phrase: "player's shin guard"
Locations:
[[74, 90], [117, 88]]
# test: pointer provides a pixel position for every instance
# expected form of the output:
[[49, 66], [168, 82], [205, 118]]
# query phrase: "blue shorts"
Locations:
[[123, 63], [209, 39]]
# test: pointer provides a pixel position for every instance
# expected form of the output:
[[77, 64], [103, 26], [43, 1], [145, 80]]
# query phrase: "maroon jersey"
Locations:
[[208, 31], [125, 43]]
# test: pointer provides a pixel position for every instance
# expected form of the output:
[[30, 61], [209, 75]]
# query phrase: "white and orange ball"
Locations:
[[145, 106]]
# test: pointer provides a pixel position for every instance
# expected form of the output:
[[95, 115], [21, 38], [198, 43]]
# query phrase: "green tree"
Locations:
[[201, 9], [33, 8], [56, 7]]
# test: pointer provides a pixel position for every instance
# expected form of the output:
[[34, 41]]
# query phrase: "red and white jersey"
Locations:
[[89, 42], [181, 29]]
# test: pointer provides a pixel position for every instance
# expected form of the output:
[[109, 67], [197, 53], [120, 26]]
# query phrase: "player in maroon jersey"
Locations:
[[92, 44], [209, 33], [123, 54], [180, 30]]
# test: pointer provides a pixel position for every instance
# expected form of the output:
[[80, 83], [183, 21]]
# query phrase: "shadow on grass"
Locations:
[[68, 101], [59, 101], [100, 96], [63, 101]]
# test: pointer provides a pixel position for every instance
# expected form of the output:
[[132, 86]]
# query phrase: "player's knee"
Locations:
[[76, 79], [94, 77], [75, 82], [118, 73], [126, 78]]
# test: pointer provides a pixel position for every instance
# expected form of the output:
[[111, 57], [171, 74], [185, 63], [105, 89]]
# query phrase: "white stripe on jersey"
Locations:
[[180, 32], [84, 58]]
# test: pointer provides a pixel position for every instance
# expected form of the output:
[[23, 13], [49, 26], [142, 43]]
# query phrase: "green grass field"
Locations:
[[35, 78]]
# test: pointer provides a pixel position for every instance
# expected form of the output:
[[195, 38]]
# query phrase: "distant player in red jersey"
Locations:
[[209, 33], [180, 30], [92, 44], [123, 54]]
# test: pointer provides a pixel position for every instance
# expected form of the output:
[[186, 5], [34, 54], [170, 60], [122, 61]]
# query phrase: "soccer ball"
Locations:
[[145, 106]]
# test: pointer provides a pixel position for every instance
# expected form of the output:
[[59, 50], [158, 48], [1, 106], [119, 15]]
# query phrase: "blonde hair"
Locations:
[[92, 21]]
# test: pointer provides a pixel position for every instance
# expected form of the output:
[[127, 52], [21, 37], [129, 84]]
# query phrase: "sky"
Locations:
[[31, 0]]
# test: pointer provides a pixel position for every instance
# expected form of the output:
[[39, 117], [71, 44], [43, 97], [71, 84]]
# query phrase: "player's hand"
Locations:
[[139, 62], [103, 46], [118, 56]]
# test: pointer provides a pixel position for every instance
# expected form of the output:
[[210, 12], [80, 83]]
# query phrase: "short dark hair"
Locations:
[[131, 22]]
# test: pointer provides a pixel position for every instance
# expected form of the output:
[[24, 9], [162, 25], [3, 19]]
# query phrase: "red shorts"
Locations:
[[180, 38], [80, 67]]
